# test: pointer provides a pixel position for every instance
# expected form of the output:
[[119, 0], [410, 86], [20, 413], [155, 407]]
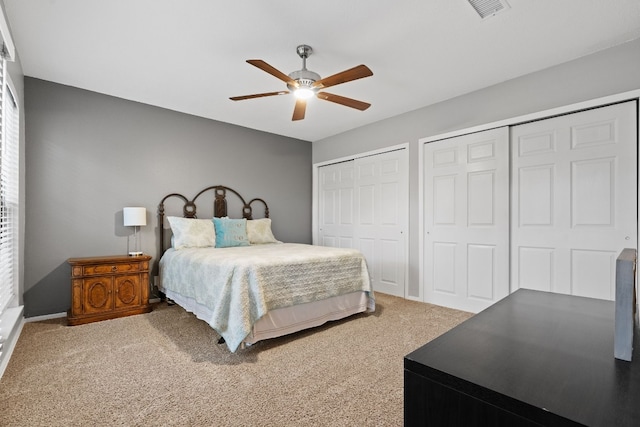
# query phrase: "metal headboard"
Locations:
[[189, 209]]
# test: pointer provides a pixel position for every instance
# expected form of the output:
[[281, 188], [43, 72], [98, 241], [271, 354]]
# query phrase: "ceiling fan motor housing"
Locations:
[[305, 78]]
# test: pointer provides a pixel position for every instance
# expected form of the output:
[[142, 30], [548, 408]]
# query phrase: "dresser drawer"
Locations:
[[90, 270]]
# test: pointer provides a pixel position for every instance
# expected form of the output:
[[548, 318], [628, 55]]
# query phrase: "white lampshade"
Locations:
[[134, 217]]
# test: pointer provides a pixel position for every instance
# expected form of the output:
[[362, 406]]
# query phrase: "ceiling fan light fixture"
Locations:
[[304, 93]]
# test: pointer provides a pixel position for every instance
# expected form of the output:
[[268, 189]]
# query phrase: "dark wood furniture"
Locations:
[[108, 287], [534, 358]]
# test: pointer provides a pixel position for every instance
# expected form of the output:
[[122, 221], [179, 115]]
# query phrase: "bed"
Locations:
[[233, 273]]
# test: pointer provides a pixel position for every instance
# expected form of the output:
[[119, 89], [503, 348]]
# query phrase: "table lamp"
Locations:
[[135, 217]]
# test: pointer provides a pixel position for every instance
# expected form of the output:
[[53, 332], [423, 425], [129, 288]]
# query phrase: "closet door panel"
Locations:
[[481, 274], [364, 204], [336, 216], [381, 194], [534, 196], [536, 267], [466, 224], [443, 270], [389, 271], [593, 273], [574, 187]]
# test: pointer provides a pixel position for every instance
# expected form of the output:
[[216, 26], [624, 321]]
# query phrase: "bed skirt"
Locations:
[[287, 320]]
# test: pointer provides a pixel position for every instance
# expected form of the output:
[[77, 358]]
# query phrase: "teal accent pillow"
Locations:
[[230, 232]]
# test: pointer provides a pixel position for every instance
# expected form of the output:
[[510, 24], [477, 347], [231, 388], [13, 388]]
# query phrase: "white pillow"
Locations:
[[259, 231], [191, 232]]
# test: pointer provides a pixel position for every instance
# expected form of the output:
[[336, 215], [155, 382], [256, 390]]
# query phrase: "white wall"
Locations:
[[608, 72]]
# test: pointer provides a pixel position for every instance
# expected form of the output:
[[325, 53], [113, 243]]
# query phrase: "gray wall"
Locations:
[[89, 155], [607, 72]]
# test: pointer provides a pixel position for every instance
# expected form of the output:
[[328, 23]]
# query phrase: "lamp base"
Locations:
[[135, 253]]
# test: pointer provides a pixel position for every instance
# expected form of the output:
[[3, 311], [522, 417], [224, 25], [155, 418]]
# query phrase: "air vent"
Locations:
[[488, 8]]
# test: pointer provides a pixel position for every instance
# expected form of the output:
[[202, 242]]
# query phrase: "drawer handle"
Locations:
[[114, 268]]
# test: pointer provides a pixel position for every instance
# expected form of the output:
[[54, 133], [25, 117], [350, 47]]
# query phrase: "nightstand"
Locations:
[[108, 287]]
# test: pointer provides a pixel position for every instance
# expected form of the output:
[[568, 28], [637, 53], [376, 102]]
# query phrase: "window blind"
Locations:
[[9, 200]]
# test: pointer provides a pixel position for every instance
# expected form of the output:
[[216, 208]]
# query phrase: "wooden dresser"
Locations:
[[108, 287]]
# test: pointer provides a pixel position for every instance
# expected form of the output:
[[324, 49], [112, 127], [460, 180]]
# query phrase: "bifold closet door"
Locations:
[[574, 200], [336, 204], [466, 220], [381, 218], [364, 204]]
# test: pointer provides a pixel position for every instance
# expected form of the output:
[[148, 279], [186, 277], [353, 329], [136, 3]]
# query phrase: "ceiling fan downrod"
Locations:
[[305, 78], [304, 51]]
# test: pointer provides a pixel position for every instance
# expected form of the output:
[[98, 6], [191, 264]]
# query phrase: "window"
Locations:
[[9, 200], [10, 312]]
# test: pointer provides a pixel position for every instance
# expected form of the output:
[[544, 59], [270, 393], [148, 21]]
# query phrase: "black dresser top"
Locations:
[[546, 356]]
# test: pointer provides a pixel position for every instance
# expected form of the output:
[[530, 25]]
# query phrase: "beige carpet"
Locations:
[[165, 368]]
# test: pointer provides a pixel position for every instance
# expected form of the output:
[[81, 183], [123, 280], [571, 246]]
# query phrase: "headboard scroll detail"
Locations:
[[189, 209]]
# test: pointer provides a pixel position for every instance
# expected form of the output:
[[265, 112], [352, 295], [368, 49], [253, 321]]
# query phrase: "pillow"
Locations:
[[259, 231], [230, 232], [191, 232]]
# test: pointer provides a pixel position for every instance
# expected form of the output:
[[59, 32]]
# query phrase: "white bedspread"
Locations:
[[240, 284]]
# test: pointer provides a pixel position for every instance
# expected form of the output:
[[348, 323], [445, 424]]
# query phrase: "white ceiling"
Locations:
[[189, 55]]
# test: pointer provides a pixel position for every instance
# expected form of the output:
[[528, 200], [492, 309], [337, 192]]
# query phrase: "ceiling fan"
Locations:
[[305, 84]]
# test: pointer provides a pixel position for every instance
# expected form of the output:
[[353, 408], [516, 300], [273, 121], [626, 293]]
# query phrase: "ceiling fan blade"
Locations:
[[299, 110], [258, 95], [273, 71], [342, 100], [354, 73]]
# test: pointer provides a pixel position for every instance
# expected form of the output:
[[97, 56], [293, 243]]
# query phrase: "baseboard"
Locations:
[[13, 320], [45, 317], [64, 314]]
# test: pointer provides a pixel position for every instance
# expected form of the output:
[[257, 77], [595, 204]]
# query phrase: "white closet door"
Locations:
[[466, 224], [382, 203], [336, 216], [574, 202]]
